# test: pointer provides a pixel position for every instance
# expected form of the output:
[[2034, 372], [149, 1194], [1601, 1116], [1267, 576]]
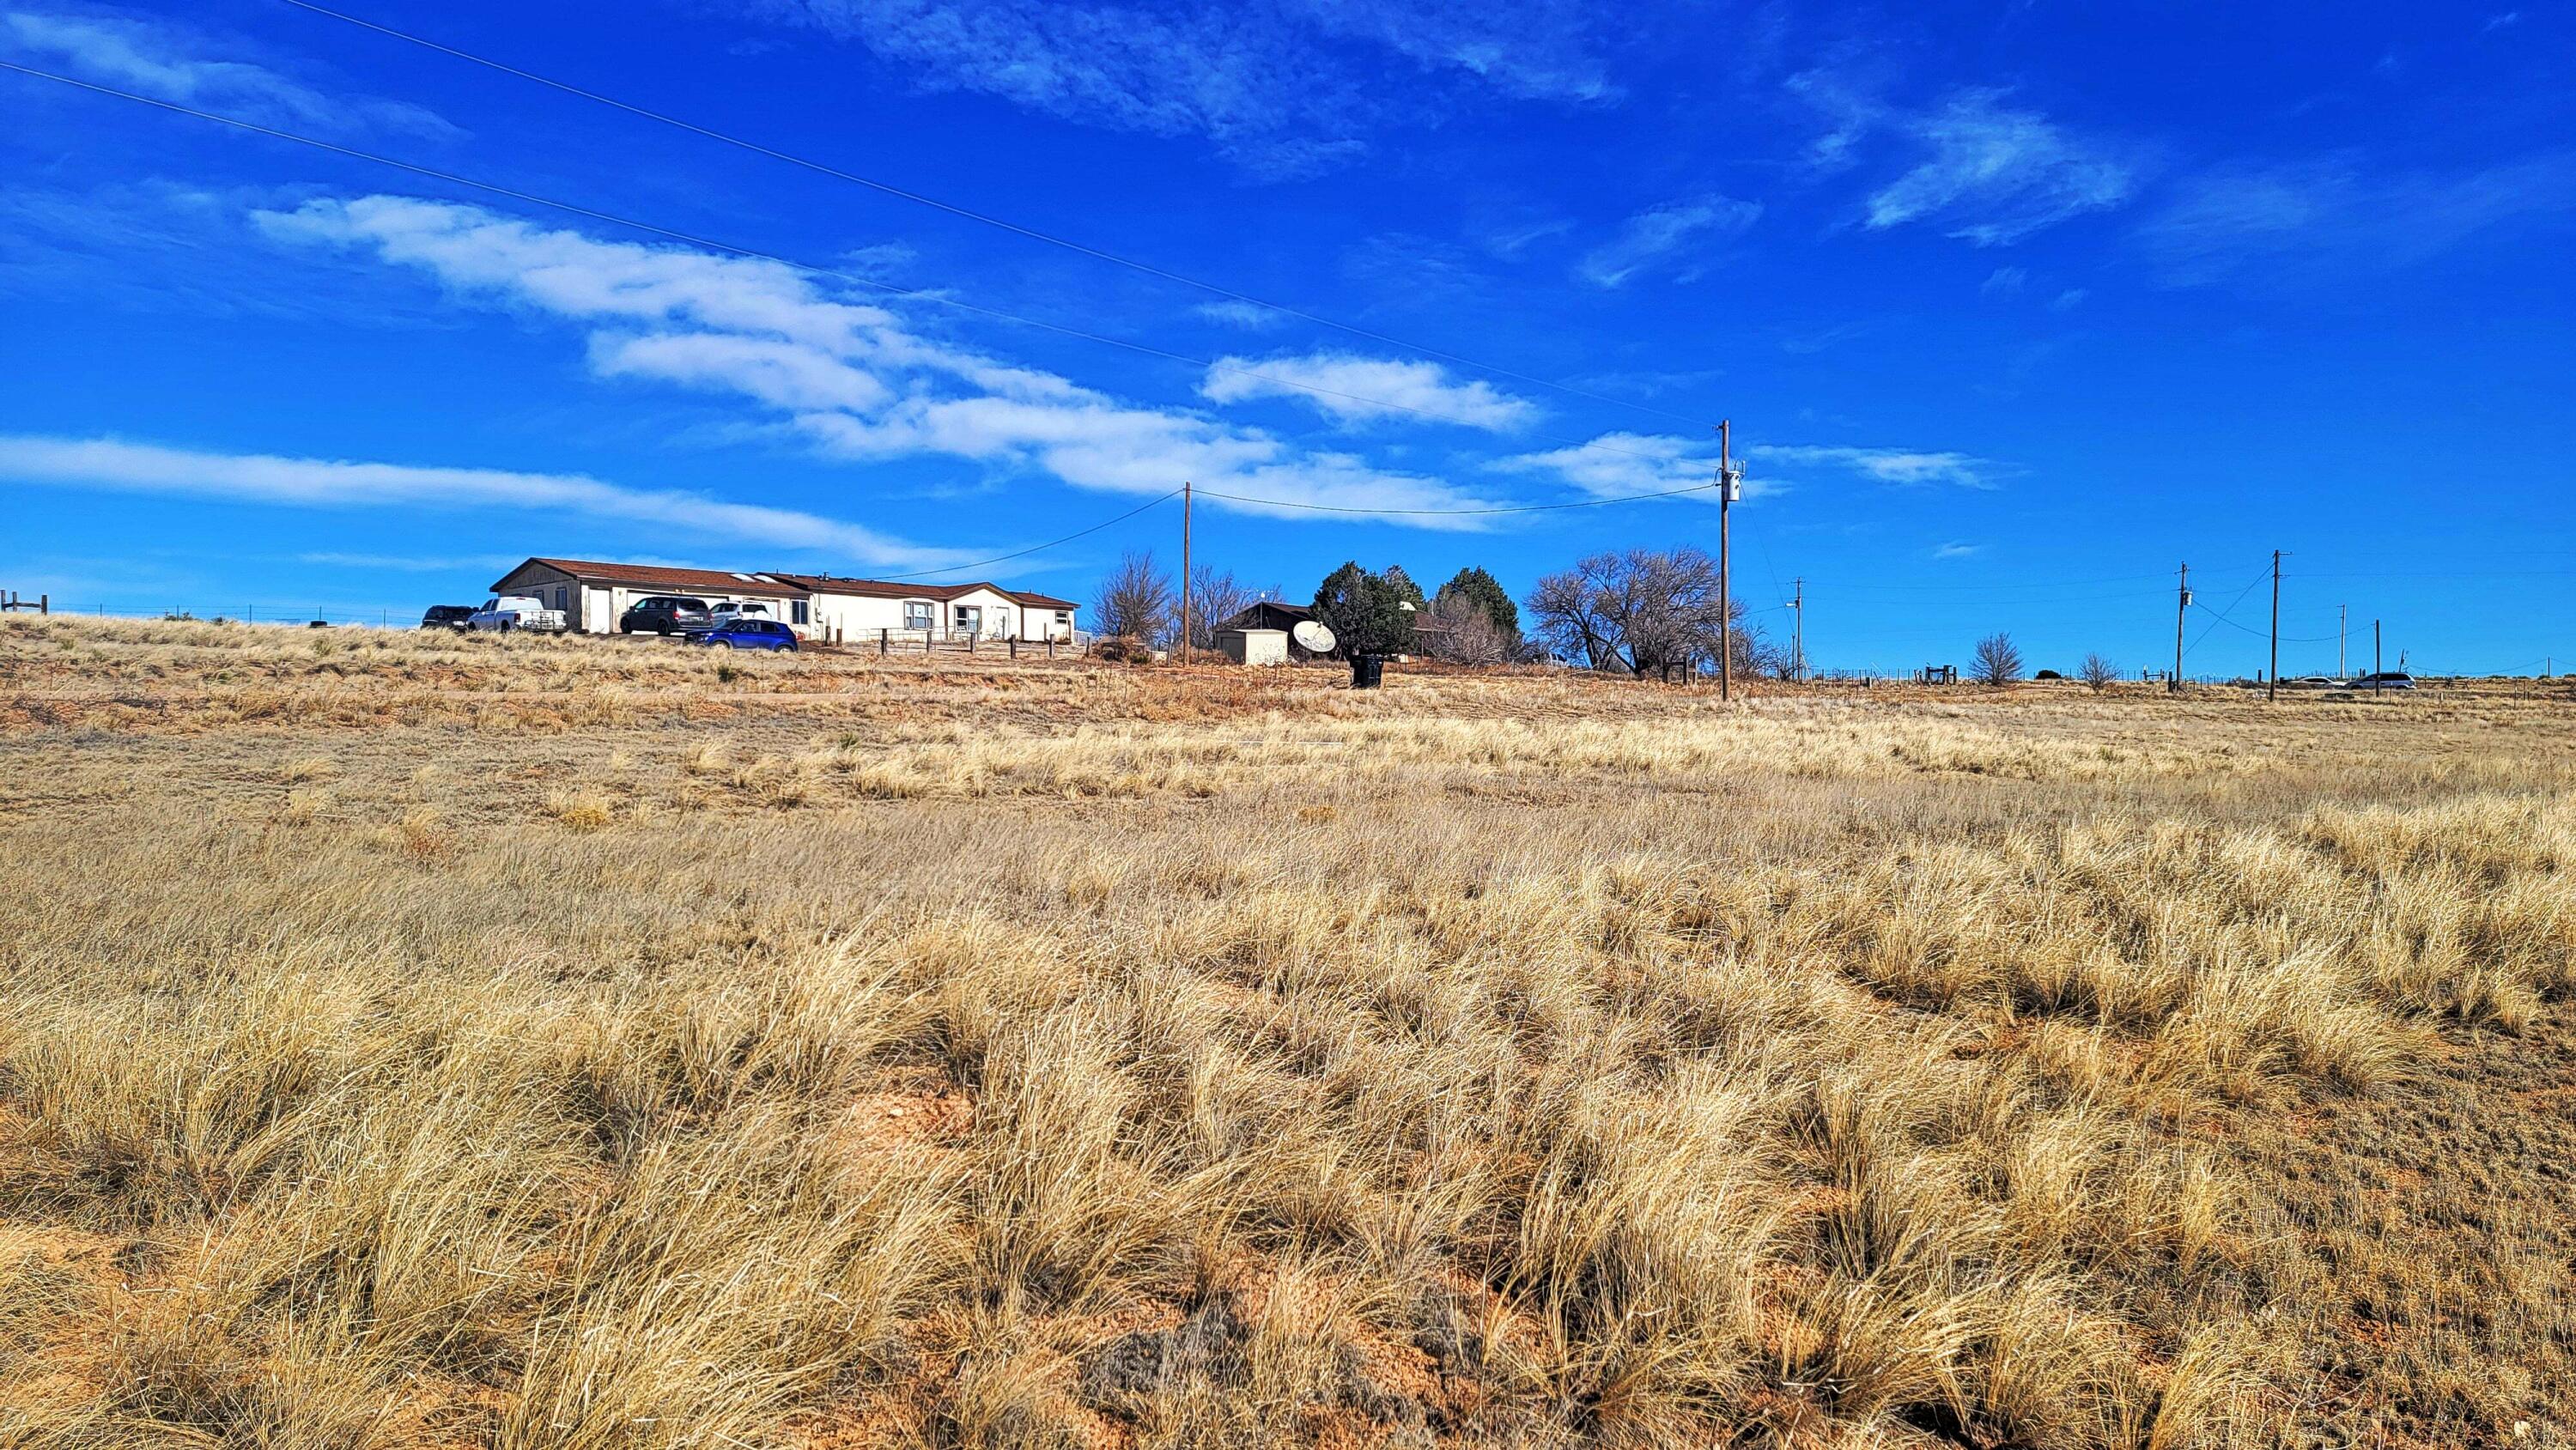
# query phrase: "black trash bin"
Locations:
[[1366, 671]]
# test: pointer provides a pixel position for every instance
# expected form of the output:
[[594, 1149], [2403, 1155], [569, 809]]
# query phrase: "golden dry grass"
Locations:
[[421, 1041]]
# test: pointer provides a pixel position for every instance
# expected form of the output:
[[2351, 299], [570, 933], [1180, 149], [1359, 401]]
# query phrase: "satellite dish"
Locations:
[[1313, 636]]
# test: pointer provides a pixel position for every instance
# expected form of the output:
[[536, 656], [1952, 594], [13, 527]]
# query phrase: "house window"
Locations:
[[916, 614], [969, 618], [796, 611]]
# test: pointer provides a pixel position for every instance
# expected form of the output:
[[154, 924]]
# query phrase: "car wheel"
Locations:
[[724, 644]]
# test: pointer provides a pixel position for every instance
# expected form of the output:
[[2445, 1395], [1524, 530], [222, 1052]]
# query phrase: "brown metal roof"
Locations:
[[656, 576]]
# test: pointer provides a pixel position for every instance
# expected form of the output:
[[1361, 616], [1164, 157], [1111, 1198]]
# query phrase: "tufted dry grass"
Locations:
[[425, 1042]]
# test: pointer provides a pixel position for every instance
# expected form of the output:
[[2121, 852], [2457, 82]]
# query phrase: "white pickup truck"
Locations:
[[518, 611]]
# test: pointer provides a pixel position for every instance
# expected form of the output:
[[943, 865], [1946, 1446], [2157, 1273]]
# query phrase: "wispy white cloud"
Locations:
[[1362, 390], [175, 63], [1250, 316], [1289, 88], [1623, 465], [117, 466], [2004, 282], [1649, 238], [2330, 219], [2068, 300], [857, 379], [1992, 175], [1955, 549], [1905, 466]]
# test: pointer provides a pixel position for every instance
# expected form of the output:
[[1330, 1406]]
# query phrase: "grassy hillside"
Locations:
[[436, 1042]]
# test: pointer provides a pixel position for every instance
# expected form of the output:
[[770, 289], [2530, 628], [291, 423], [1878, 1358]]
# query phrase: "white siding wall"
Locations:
[[853, 617]]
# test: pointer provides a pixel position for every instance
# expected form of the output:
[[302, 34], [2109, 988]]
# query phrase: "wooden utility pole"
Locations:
[[2272, 685], [2377, 685], [1725, 601], [2343, 629], [1185, 571], [1798, 632], [2182, 606]]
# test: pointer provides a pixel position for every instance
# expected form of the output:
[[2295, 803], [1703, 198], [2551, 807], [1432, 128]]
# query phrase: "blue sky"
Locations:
[[2013, 307]]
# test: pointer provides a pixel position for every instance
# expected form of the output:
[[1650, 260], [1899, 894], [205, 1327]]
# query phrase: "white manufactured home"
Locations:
[[594, 595], [854, 610]]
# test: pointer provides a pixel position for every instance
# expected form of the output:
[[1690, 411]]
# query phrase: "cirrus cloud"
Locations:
[[1353, 389]]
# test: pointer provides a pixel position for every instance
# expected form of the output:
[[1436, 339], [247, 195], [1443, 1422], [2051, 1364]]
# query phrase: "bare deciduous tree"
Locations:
[[1998, 661], [1134, 600], [1645, 611], [1215, 597], [2097, 671], [1466, 633]]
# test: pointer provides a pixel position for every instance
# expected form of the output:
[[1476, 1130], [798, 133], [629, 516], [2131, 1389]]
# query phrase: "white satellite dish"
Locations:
[[1313, 636]]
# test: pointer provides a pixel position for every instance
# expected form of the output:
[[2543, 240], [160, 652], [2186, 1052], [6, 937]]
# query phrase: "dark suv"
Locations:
[[665, 614], [447, 616]]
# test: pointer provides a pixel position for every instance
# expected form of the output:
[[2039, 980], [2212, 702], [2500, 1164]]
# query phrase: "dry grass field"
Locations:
[[442, 1042]]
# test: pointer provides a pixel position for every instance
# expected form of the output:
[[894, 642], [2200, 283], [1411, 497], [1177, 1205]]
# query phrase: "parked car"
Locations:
[[742, 609], [446, 616], [2316, 682], [2385, 680], [666, 614], [505, 612], [749, 634]]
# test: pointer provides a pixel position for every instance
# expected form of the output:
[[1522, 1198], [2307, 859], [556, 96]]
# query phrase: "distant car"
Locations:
[[446, 616], [2318, 682], [666, 614], [503, 613], [2386, 680], [749, 634]]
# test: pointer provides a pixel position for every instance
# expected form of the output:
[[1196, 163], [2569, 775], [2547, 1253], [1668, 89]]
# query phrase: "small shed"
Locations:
[[1254, 646]]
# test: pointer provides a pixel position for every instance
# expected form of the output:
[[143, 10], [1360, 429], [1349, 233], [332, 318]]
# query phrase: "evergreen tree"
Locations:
[[1365, 612], [1473, 586]]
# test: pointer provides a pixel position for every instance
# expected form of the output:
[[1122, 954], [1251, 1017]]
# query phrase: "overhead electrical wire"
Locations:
[[755, 254], [2222, 614], [2266, 634], [1032, 233], [1034, 548], [1527, 508]]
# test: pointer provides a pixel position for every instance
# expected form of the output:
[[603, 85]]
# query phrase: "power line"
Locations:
[[2013, 584], [1036, 548], [2260, 634], [1533, 508], [827, 169], [754, 254], [2230, 609]]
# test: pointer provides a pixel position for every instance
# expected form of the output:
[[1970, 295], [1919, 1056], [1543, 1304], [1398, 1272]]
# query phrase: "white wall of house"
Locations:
[[854, 617], [990, 614]]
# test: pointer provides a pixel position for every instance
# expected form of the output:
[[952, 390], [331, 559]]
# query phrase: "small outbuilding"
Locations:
[[1254, 646]]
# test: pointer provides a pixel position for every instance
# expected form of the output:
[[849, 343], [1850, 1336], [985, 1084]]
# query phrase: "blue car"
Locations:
[[750, 634]]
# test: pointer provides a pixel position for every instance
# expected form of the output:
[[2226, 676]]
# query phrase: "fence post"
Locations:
[[1050, 646], [881, 642], [1015, 646]]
